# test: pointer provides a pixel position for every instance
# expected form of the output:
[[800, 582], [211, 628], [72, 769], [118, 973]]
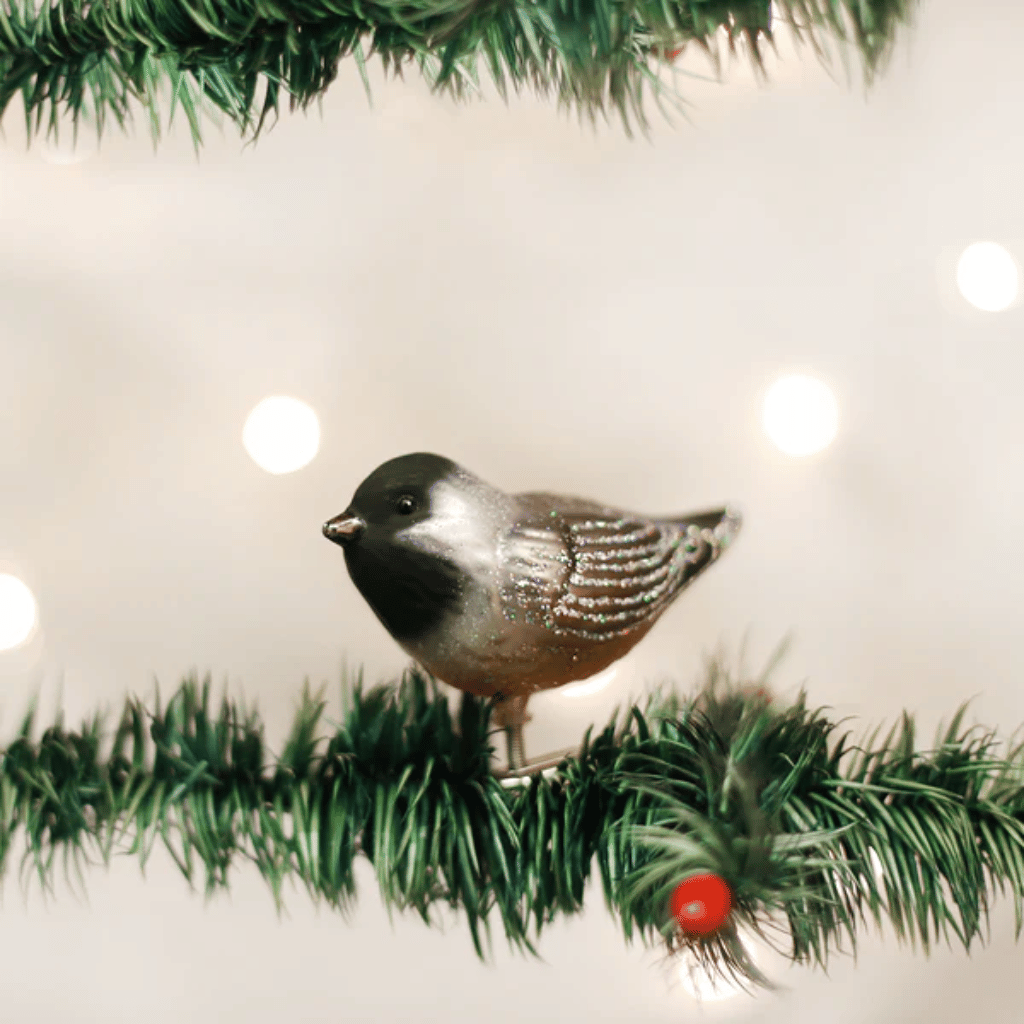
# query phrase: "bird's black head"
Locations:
[[398, 493], [404, 575]]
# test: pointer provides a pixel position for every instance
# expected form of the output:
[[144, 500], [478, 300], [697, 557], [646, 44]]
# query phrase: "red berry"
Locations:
[[701, 904]]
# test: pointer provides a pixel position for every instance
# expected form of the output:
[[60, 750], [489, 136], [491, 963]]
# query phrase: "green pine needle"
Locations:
[[92, 61], [804, 827]]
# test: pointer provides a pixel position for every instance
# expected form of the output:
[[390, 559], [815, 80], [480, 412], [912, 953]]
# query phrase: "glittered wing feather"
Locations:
[[597, 573]]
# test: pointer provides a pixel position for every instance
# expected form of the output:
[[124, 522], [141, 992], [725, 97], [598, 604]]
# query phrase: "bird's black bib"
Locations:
[[410, 591]]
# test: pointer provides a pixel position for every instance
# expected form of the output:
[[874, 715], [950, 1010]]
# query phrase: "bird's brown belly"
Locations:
[[520, 662]]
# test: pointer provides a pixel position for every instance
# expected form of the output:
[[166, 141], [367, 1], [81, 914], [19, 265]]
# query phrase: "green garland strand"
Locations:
[[91, 58], [764, 796]]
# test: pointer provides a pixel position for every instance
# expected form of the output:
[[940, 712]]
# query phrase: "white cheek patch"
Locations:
[[461, 528]]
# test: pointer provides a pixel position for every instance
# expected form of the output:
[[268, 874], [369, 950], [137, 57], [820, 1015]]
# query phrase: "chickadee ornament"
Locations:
[[502, 595]]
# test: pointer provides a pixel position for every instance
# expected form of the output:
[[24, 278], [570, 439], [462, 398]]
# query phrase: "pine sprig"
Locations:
[[92, 59], [812, 834]]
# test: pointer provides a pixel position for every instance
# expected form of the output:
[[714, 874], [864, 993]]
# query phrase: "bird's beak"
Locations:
[[344, 528]]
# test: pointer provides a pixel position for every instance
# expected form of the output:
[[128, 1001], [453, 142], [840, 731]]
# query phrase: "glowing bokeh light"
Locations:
[[701, 986], [588, 687], [801, 415], [66, 150], [18, 613], [707, 988], [987, 277], [282, 434]]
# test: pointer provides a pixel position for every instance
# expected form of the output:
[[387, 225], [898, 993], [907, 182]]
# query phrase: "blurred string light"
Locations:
[[19, 614], [987, 277], [588, 687], [704, 987], [877, 870], [282, 434], [800, 415], [701, 986], [66, 149]]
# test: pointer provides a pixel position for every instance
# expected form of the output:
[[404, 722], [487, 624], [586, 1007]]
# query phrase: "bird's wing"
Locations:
[[582, 569]]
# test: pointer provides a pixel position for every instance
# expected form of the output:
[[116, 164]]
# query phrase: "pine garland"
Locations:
[[92, 58], [763, 796]]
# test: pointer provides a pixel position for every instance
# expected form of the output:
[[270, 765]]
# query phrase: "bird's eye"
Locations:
[[406, 505]]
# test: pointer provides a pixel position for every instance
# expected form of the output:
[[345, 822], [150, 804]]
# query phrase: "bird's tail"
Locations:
[[723, 523]]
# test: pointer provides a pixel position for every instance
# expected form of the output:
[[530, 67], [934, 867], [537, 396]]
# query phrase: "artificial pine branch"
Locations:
[[728, 783], [92, 58]]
